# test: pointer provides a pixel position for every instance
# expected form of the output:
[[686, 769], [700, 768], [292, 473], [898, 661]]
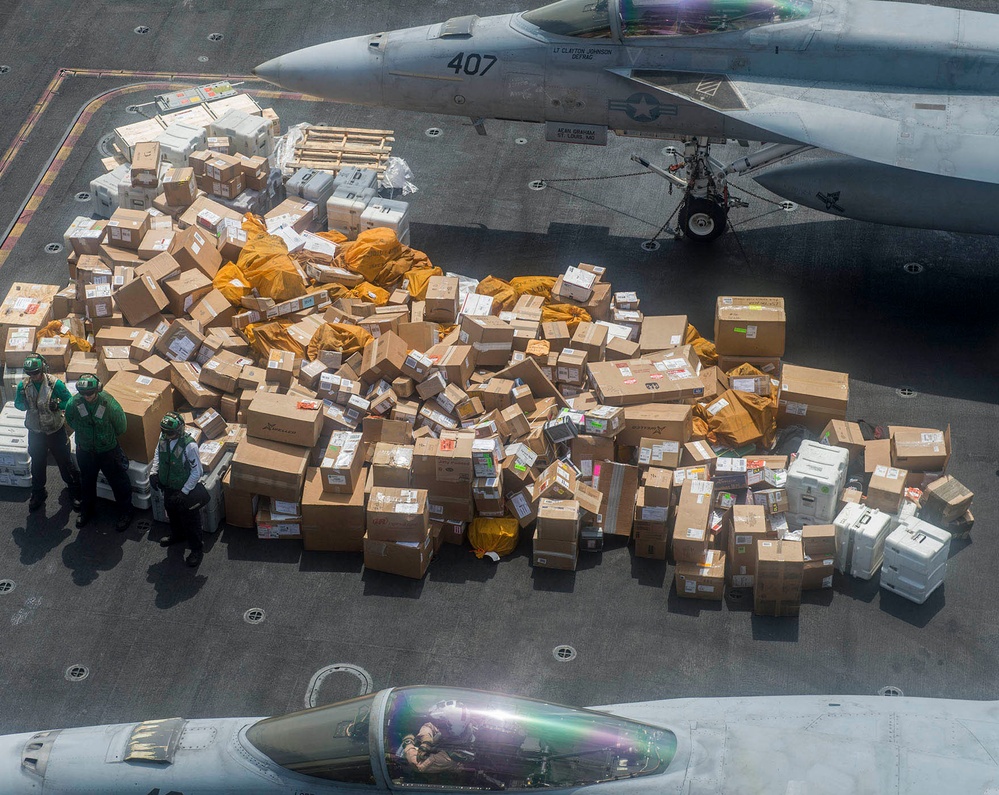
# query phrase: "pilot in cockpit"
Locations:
[[440, 742]]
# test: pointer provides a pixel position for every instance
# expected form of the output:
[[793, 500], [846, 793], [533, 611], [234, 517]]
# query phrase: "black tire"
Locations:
[[703, 220]]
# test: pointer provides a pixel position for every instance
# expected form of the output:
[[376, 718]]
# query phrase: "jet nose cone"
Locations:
[[343, 71]]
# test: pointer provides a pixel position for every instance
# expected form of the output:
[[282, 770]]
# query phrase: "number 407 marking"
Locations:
[[472, 64]]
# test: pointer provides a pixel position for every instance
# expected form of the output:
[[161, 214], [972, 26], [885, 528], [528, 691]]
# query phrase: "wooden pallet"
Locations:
[[332, 148]]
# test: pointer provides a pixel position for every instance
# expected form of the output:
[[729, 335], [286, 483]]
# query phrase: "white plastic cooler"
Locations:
[[860, 540], [357, 178], [344, 208], [814, 482], [915, 561], [15, 464], [104, 191], [178, 141], [387, 213], [314, 186]]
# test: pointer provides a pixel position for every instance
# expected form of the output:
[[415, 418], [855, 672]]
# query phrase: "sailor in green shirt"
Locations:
[[44, 400], [99, 420]]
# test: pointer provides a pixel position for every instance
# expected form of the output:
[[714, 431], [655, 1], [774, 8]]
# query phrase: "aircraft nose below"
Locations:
[[343, 71]]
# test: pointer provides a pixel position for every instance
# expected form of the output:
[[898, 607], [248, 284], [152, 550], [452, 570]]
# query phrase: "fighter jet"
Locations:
[[898, 101], [435, 739]]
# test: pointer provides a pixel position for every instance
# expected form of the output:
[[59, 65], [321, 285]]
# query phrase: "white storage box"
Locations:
[[126, 137], [141, 501], [915, 561], [14, 447], [357, 178], [178, 141], [387, 213], [860, 540], [192, 116], [11, 417], [133, 198], [248, 135], [244, 102], [314, 186], [104, 190], [344, 209], [15, 481], [814, 481]]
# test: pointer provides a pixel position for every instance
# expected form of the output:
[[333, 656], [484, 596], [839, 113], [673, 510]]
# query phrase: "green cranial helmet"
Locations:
[[171, 423], [34, 364], [88, 385]]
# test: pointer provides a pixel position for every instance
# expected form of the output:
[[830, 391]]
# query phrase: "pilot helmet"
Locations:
[[450, 716]]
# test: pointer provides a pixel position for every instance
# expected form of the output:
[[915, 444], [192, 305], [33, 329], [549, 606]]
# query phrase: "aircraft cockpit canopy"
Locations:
[[442, 738], [591, 19]]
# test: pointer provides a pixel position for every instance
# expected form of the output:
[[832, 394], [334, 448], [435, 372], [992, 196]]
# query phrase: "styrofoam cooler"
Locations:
[[314, 186], [387, 213], [213, 514], [814, 481], [178, 141], [104, 191], [357, 178], [915, 560], [344, 209], [860, 540]]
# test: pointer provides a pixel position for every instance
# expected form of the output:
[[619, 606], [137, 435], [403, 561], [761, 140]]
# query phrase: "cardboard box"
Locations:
[[180, 342], [145, 167], [240, 506], [194, 248], [633, 382], [127, 228], [886, 489], [690, 531], [662, 332], [920, 450], [750, 326], [441, 303], [285, 418], [144, 400], [592, 339], [749, 525], [558, 520], [410, 559], [397, 515], [332, 522], [817, 573], [392, 465], [57, 353], [668, 422], [779, 571], [222, 372], [184, 290], [20, 342], [658, 453], [281, 367], [179, 187], [86, 238], [383, 358], [27, 305], [273, 469], [549, 554], [342, 464], [658, 487], [703, 578], [811, 397], [272, 523], [945, 501], [840, 433], [618, 483], [488, 336], [185, 377]]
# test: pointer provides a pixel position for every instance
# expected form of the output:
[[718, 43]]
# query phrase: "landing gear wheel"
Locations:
[[702, 220]]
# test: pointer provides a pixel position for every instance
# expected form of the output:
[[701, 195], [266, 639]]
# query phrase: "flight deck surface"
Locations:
[[158, 639]]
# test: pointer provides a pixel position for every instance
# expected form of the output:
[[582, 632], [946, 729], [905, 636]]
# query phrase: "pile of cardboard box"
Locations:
[[558, 406]]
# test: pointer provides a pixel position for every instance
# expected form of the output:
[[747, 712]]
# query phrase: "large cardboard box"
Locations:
[[633, 382], [127, 228], [342, 463], [749, 525], [780, 568], [144, 400], [397, 515], [273, 469], [19, 343], [195, 248], [332, 522], [180, 187], [920, 449], [27, 305], [240, 506], [489, 337], [383, 358], [618, 483], [749, 326], [551, 554], [703, 578], [690, 530], [409, 559], [558, 520], [811, 397], [392, 465], [667, 422], [285, 418], [447, 459]]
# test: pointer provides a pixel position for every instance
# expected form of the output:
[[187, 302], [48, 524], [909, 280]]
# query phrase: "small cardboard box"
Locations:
[[240, 506], [488, 336], [749, 525], [558, 520], [819, 540], [392, 465], [127, 228], [618, 485], [920, 450], [342, 464], [180, 342], [658, 453], [281, 367], [441, 305], [19, 344], [398, 515], [703, 578], [285, 418], [274, 524], [944, 500], [690, 533], [332, 522], [840, 433], [886, 489], [811, 397], [185, 289], [57, 353], [193, 248], [550, 554], [185, 377], [145, 167], [180, 187], [662, 332], [779, 570]]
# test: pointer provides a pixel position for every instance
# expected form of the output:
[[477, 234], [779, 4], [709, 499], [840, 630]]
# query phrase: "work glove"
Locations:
[[154, 482], [54, 405]]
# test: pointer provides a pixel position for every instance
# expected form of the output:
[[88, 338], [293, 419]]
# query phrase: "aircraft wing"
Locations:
[[953, 135]]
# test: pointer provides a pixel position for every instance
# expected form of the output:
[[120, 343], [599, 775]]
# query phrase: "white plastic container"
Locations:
[[388, 213], [344, 209], [915, 560], [814, 481], [357, 178], [248, 135], [14, 447], [15, 481], [133, 198], [178, 141], [314, 186], [12, 417], [127, 136], [860, 540], [104, 190]]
